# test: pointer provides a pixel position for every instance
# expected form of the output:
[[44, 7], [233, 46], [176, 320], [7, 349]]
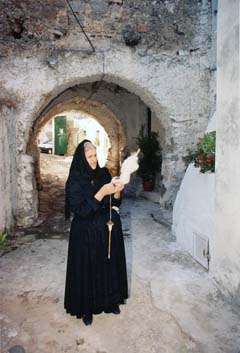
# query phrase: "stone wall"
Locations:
[[166, 25], [8, 172], [27, 23], [169, 69]]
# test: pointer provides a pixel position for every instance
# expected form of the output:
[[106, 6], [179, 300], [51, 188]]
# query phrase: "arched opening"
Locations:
[[83, 119], [100, 112]]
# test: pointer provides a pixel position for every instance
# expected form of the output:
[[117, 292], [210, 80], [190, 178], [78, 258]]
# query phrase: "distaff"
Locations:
[[129, 166]]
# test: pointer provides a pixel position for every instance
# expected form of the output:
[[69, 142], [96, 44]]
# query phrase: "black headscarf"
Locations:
[[80, 169], [80, 163]]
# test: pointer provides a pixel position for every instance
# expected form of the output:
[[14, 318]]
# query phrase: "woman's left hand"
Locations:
[[118, 184], [119, 187]]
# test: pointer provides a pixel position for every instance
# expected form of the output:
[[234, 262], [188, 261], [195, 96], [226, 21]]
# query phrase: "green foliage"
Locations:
[[203, 155], [151, 154], [3, 241], [208, 143]]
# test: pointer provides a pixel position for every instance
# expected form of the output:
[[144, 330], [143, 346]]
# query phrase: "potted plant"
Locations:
[[203, 155], [151, 157]]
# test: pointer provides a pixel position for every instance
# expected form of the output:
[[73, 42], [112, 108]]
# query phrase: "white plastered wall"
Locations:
[[193, 211], [227, 219]]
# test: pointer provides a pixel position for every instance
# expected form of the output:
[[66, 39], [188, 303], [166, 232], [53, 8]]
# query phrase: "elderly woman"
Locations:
[[94, 282]]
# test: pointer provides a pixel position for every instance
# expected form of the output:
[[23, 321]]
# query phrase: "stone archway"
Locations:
[[29, 161], [107, 119], [153, 86], [97, 110]]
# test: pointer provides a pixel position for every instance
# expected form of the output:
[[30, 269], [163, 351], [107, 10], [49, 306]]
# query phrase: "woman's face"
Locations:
[[91, 157]]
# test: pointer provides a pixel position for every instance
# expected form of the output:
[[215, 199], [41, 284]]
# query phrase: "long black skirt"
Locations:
[[95, 283]]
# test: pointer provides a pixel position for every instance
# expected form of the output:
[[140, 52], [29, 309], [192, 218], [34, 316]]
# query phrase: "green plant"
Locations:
[[203, 155], [3, 241], [151, 154]]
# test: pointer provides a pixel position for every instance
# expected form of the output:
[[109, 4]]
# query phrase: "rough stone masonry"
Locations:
[[160, 51]]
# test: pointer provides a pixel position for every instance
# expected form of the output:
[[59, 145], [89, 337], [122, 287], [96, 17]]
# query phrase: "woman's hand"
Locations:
[[106, 189], [118, 184], [119, 187]]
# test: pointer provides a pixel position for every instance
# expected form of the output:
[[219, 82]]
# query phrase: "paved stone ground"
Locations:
[[174, 307]]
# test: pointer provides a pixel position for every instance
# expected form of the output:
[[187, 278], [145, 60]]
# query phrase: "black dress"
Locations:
[[94, 283]]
